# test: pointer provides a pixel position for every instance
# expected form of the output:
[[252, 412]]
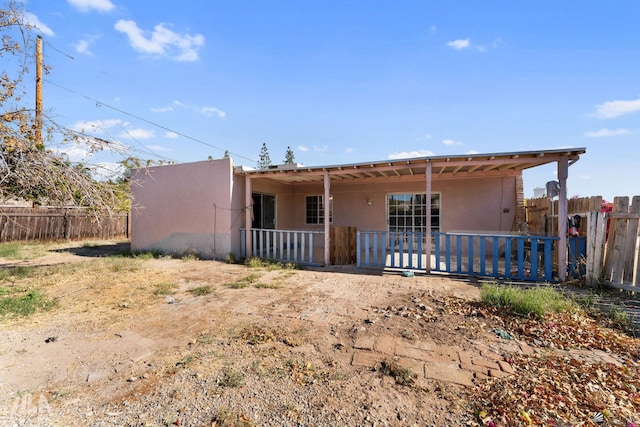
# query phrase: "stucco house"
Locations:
[[412, 206]]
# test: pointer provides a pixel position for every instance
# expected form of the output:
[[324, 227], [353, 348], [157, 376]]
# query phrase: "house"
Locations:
[[213, 208]]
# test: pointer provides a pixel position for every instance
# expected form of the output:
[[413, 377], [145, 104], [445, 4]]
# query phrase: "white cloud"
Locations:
[[75, 152], [348, 150], [88, 5], [107, 170], [604, 132], [158, 148], [459, 44], [410, 154], [611, 109], [320, 149], [302, 148], [451, 142], [205, 111], [162, 42], [84, 45], [211, 111], [171, 135], [32, 20], [95, 126], [472, 152], [161, 109], [138, 133]]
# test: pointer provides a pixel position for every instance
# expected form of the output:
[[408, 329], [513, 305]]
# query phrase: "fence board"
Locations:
[[630, 243], [615, 252], [47, 224]]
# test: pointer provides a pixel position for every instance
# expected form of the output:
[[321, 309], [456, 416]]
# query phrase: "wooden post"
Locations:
[[248, 215], [427, 246], [563, 172], [39, 143], [327, 218]]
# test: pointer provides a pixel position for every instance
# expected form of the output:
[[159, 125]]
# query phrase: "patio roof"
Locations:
[[445, 166]]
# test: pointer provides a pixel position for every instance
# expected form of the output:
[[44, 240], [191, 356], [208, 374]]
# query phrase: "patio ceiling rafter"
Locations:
[[441, 166]]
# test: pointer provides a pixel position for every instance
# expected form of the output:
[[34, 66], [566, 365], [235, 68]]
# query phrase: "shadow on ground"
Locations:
[[98, 250]]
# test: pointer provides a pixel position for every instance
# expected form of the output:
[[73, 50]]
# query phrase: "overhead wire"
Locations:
[[101, 103]]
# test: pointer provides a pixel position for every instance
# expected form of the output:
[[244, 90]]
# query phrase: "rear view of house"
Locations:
[[213, 208]]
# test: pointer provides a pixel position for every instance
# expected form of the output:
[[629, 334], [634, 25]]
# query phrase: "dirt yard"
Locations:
[[148, 342]]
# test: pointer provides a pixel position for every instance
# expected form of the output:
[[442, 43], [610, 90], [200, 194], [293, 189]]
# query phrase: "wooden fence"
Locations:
[[612, 238], [47, 224], [622, 251]]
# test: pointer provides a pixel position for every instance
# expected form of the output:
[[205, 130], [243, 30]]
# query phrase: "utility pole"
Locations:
[[39, 143]]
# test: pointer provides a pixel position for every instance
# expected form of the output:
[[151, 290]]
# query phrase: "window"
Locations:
[[408, 212], [315, 209]]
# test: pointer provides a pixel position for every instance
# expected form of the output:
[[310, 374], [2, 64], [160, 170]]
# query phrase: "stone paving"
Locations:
[[449, 363]]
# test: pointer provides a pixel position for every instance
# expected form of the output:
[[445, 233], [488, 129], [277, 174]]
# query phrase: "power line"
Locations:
[[100, 103]]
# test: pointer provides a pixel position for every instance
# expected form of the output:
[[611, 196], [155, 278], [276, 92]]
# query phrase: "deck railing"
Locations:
[[491, 255], [281, 245]]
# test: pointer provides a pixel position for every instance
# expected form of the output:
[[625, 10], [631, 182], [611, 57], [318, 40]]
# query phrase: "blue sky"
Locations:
[[351, 81]]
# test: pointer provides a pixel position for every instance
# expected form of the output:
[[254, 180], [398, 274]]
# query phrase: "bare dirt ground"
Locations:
[[146, 342]]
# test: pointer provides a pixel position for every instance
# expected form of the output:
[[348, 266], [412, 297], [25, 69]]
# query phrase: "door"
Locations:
[[264, 211]]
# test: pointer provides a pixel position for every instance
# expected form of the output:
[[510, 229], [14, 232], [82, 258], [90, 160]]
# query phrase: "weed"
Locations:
[[19, 302], [164, 288], [408, 334], [302, 372], [118, 264], [58, 394], [230, 378], [11, 250], [201, 290], [403, 376], [255, 262], [15, 273], [536, 301], [227, 418], [244, 282], [257, 335], [261, 285], [231, 258]]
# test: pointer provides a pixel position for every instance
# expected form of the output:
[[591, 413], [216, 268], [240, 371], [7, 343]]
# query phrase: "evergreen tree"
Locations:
[[264, 161], [289, 158], [226, 154]]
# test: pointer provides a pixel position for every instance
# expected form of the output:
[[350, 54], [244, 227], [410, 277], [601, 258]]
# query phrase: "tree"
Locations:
[[264, 161], [289, 158], [226, 154], [28, 170]]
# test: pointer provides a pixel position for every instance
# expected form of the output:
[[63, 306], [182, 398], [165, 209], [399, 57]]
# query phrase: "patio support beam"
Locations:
[[427, 246], [563, 173], [327, 217], [248, 214]]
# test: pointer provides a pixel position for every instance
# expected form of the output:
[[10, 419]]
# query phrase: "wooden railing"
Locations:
[[281, 245], [490, 255]]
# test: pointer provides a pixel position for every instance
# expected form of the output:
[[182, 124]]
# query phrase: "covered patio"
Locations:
[[479, 232]]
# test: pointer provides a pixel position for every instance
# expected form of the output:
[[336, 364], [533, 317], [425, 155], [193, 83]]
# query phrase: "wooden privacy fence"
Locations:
[[46, 224], [621, 257]]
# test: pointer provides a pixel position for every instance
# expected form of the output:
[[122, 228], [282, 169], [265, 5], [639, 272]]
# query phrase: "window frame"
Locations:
[[317, 213], [416, 212]]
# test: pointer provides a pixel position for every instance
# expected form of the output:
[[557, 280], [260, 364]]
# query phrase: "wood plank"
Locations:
[[616, 242], [631, 242]]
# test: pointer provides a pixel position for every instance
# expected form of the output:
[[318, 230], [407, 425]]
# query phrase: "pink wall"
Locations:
[[187, 208], [200, 207], [466, 204]]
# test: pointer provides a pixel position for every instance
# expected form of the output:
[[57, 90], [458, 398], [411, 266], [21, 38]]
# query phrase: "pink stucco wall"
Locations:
[[200, 207], [478, 204], [187, 208]]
